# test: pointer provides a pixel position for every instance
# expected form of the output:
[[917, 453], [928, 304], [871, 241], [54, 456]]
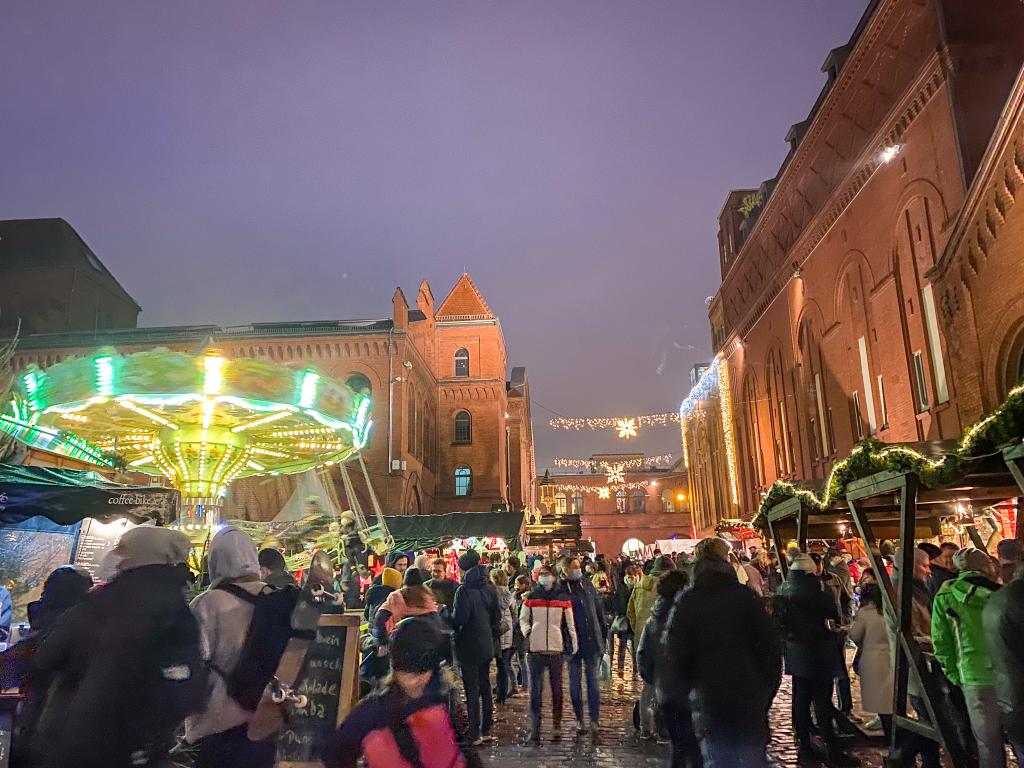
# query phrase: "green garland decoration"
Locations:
[[1003, 427]]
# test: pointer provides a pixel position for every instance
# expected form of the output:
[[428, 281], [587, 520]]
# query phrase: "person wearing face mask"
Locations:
[[592, 632], [546, 621]]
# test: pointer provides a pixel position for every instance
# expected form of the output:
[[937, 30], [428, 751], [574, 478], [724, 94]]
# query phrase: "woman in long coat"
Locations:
[[869, 632]]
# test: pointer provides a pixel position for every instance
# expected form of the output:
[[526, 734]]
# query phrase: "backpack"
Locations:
[[265, 641]]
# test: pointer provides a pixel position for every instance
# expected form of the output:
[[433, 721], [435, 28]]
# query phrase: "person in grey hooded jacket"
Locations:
[[221, 731]]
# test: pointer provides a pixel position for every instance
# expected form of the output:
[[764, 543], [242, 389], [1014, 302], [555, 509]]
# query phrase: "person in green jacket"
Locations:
[[958, 637]]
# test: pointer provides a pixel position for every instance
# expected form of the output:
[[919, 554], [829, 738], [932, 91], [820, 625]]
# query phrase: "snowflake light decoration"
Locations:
[[615, 475], [604, 493], [626, 428]]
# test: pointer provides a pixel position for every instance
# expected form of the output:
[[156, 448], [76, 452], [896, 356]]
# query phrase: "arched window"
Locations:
[[359, 384], [639, 500], [463, 481], [463, 427], [577, 503], [620, 501], [560, 503], [462, 362]]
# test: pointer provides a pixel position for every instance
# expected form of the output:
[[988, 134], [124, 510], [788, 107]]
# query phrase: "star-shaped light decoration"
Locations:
[[626, 428], [604, 493], [615, 475]]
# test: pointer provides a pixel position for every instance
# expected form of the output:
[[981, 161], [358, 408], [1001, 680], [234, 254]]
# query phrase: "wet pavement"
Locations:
[[619, 744]]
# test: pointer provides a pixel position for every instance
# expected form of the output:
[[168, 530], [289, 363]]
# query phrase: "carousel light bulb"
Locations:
[[104, 375], [213, 374], [307, 391]]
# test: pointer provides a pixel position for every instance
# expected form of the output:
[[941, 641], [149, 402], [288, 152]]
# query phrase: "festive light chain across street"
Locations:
[[585, 488], [644, 461]]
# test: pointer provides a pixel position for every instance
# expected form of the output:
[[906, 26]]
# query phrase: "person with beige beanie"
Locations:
[[125, 662]]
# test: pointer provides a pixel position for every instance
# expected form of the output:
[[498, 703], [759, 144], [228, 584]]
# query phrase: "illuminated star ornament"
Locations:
[[604, 493], [615, 475], [626, 428]]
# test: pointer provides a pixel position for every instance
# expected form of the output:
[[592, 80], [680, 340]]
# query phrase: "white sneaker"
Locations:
[[874, 724]]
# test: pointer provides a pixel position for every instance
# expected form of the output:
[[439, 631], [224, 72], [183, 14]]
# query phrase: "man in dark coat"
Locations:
[[723, 655], [125, 661], [1003, 619], [809, 618], [476, 621], [592, 631]]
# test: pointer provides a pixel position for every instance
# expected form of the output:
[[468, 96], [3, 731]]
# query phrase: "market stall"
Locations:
[[50, 517], [903, 494]]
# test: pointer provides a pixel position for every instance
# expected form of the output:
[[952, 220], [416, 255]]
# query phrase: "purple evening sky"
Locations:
[[249, 161]]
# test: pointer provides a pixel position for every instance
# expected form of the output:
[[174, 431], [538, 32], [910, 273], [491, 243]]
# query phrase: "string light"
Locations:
[[603, 492], [615, 422], [725, 401], [637, 463], [615, 475]]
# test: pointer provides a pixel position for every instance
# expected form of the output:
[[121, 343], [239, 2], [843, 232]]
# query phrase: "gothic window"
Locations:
[[463, 427], [462, 363], [463, 481], [359, 384]]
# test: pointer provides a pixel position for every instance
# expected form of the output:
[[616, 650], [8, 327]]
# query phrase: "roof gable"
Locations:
[[464, 300], [48, 244]]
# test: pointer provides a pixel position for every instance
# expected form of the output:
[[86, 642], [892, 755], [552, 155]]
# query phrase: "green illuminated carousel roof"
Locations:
[[200, 421]]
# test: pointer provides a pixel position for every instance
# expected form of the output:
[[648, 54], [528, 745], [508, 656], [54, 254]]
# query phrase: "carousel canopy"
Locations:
[[68, 496], [413, 532], [200, 421]]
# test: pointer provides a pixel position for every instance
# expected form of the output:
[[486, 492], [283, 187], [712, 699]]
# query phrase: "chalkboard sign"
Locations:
[[330, 680], [95, 539]]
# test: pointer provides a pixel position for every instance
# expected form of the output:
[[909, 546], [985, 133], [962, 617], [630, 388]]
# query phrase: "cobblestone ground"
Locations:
[[618, 744]]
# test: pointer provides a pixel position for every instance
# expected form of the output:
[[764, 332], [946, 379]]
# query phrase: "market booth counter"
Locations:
[[453, 533]]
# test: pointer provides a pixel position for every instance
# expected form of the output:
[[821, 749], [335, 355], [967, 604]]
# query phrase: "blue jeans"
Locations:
[[591, 665], [727, 748], [552, 662]]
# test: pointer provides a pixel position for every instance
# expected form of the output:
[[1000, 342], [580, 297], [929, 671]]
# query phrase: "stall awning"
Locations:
[[68, 496], [413, 532]]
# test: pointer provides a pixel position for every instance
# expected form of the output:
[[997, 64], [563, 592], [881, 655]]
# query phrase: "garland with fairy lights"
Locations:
[[637, 463], [1003, 427], [601, 489]]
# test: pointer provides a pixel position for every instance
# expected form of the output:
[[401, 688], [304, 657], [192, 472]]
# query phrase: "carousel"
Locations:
[[198, 421]]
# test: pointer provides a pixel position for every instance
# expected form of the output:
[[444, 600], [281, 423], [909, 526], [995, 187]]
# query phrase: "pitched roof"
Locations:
[[49, 243], [464, 300]]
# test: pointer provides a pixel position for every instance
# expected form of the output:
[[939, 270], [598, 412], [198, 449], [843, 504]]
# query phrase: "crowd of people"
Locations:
[[166, 680]]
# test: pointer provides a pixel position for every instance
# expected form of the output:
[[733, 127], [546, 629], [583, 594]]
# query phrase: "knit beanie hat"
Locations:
[[973, 559], [712, 547], [804, 563], [413, 578], [389, 577], [415, 645], [469, 559], [394, 557], [150, 545]]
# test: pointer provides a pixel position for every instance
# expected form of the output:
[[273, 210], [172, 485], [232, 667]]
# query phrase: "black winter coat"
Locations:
[[126, 670], [476, 619], [588, 613], [1004, 627], [375, 597], [802, 608], [720, 645]]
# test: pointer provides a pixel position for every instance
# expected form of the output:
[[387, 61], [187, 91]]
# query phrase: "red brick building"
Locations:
[[827, 316], [452, 431], [650, 504], [979, 278]]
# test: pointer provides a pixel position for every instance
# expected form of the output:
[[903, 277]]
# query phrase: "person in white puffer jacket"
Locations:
[[546, 621]]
